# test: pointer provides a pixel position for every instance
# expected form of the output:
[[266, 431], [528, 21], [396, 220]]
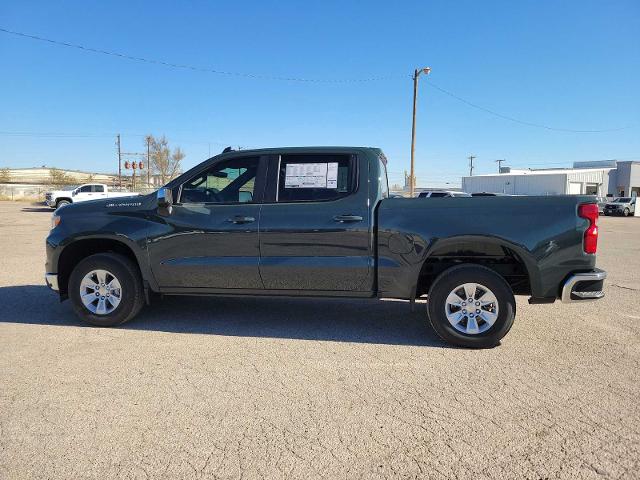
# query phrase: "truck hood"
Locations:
[[60, 193]]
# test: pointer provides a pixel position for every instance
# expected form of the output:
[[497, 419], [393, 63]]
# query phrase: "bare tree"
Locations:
[[58, 177], [162, 161], [5, 175]]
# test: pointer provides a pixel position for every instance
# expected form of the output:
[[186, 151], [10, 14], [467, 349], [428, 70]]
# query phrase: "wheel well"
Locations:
[[77, 251], [499, 258]]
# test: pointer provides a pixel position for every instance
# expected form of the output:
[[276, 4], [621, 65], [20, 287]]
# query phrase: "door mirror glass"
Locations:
[[165, 201]]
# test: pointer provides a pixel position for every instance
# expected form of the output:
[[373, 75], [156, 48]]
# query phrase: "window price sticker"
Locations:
[[311, 175]]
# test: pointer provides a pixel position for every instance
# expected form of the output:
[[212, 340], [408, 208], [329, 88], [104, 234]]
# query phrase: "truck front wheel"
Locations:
[[471, 306], [62, 203], [106, 289]]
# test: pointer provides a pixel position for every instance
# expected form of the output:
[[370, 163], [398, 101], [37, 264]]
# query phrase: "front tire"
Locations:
[[62, 203], [471, 306], [106, 290], [626, 212]]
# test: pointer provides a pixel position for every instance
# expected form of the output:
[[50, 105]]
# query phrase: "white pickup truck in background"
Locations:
[[88, 191]]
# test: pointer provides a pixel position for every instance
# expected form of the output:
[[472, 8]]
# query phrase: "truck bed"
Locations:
[[543, 234]]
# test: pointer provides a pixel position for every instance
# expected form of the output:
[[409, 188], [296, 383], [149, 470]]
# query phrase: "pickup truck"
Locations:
[[89, 191], [621, 206], [318, 222]]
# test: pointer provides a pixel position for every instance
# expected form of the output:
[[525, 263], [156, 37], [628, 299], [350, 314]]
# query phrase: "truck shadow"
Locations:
[[37, 209], [338, 320]]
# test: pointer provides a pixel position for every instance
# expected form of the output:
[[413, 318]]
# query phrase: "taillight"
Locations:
[[590, 212]]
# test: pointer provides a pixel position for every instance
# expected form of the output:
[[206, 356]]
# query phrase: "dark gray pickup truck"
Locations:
[[318, 222]]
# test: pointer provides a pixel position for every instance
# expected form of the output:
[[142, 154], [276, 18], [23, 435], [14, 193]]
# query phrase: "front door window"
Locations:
[[232, 181]]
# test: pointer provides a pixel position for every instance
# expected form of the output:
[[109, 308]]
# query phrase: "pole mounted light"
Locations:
[[412, 178]]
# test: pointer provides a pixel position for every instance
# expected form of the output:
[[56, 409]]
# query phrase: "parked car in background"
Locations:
[[621, 206], [88, 191], [441, 194], [489, 194], [318, 222]]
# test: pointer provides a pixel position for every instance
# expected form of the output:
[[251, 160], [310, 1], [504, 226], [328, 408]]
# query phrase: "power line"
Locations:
[[301, 79], [522, 122], [194, 68], [60, 135], [106, 135]]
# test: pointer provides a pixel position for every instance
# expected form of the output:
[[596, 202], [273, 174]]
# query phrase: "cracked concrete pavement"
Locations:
[[296, 388]]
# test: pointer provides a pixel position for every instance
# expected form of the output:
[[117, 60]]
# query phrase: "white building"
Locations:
[[590, 178]]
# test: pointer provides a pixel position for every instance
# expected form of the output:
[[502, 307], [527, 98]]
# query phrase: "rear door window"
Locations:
[[313, 178]]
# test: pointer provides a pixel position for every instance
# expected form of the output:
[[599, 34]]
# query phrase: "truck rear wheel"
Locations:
[[471, 306], [106, 290]]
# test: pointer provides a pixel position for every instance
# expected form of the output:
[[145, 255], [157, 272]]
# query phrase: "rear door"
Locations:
[[99, 191], [316, 226]]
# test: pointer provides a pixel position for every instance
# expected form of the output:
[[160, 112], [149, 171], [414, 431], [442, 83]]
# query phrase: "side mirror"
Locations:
[[165, 201], [74, 193]]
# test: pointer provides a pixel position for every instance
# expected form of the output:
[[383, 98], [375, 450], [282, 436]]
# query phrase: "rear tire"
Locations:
[[106, 290], [492, 310]]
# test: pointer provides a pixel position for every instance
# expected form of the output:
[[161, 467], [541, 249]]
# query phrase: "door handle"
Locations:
[[241, 219], [347, 218]]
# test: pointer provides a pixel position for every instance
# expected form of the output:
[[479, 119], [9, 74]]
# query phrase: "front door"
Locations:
[[210, 239], [315, 226]]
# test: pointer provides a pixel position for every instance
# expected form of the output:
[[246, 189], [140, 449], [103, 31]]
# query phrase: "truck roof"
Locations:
[[312, 149]]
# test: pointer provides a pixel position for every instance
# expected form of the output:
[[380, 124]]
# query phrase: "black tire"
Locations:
[[62, 203], [127, 274], [469, 273], [626, 212]]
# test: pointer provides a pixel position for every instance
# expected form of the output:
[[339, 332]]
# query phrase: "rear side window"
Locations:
[[98, 188], [313, 178]]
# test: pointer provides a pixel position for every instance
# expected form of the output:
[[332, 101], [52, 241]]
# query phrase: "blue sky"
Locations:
[[569, 64]]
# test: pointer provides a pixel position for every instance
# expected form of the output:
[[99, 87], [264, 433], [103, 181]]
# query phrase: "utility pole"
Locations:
[[499, 162], [412, 178], [148, 161], [471, 157], [119, 162]]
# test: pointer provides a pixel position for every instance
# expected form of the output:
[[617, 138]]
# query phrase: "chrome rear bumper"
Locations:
[[581, 287]]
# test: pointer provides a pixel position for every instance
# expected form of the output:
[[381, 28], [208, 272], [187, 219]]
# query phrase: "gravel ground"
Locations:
[[295, 388]]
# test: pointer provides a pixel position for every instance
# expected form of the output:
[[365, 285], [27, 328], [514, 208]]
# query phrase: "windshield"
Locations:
[[69, 188], [622, 200]]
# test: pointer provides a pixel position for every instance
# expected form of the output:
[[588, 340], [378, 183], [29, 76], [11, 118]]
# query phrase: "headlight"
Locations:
[[55, 221]]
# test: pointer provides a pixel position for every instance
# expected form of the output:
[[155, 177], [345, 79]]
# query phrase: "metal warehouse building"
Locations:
[[592, 178]]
